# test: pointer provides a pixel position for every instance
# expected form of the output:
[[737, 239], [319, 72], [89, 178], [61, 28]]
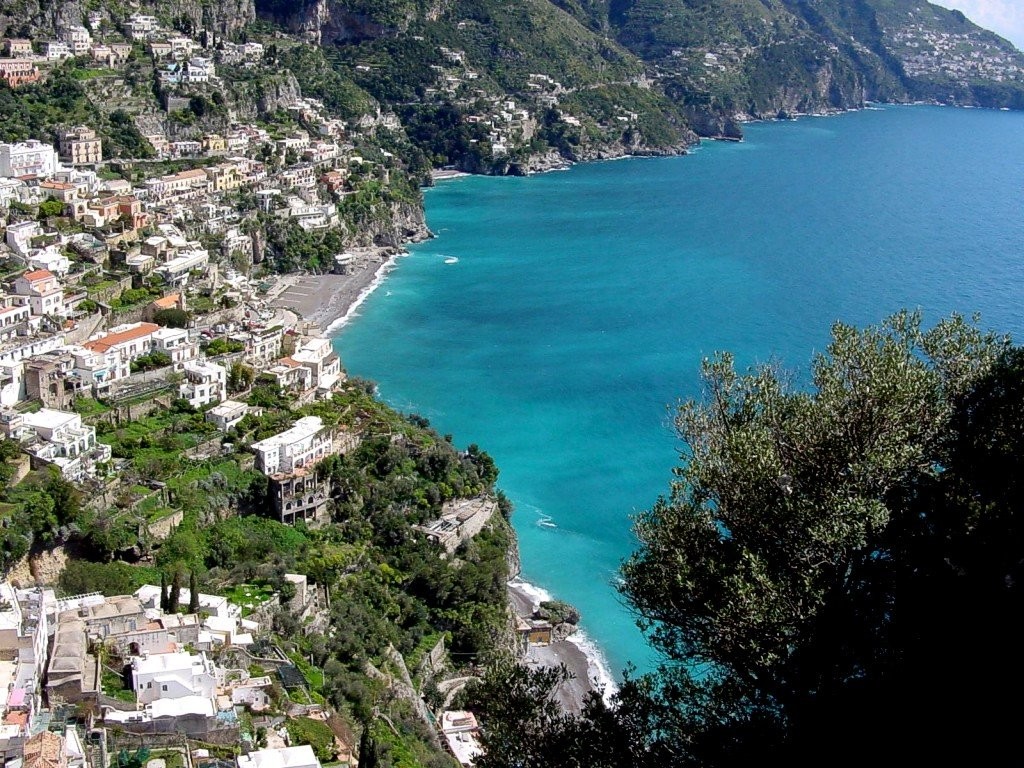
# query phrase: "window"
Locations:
[[163, 687]]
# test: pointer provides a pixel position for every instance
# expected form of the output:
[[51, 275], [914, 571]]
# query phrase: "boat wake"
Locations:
[[545, 521]]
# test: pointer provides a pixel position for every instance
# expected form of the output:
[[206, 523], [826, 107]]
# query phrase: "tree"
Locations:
[[165, 601], [193, 592], [824, 559], [171, 318], [766, 578], [240, 377], [50, 207], [174, 599]]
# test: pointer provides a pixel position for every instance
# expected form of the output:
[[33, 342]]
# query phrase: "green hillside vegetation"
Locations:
[[389, 586]]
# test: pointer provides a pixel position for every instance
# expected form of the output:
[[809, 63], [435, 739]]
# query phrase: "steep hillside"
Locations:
[[494, 87]]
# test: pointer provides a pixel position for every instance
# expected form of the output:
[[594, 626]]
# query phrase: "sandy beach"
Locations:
[[325, 300], [571, 694]]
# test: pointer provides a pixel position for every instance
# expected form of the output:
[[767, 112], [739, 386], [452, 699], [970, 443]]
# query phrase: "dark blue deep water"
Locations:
[[581, 304]]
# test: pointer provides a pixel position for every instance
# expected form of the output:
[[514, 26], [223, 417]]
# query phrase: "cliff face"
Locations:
[[342, 21], [41, 18]]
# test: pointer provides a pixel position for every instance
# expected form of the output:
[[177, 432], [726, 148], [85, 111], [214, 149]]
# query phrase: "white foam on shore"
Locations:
[[378, 279], [598, 668], [536, 594]]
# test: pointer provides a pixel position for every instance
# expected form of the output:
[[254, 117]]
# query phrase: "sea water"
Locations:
[[556, 319]]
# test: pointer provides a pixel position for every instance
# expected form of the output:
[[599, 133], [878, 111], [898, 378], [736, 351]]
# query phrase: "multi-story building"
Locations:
[[302, 175], [56, 49], [78, 39], [290, 374], [48, 379], [290, 459], [204, 383], [304, 444], [61, 439], [140, 27], [18, 72], [176, 344], [176, 186], [262, 345], [19, 236], [23, 655], [176, 270], [109, 357], [300, 495], [173, 676], [42, 292], [318, 355], [81, 146], [17, 47], [225, 177], [27, 158], [14, 320], [227, 414]]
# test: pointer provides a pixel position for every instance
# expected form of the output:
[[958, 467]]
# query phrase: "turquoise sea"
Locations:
[[556, 318]]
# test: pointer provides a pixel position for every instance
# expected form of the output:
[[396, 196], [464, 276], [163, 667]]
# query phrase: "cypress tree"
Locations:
[[193, 592], [164, 598], [175, 597]]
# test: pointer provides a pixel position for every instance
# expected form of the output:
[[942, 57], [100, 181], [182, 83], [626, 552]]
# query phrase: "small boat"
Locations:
[[451, 260]]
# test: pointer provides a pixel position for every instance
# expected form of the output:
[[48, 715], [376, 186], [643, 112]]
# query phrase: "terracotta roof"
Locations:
[[56, 185], [45, 750], [16, 718], [168, 302], [290, 362], [194, 174], [38, 274], [113, 339]]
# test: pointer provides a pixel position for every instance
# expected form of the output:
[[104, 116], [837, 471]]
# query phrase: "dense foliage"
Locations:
[[825, 560]]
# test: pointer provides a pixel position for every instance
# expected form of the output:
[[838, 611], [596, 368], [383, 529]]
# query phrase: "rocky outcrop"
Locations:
[[713, 124], [407, 225], [222, 16], [333, 21], [36, 18]]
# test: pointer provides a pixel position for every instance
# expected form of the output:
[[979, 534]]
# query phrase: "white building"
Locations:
[[198, 70], [204, 383], [57, 49], [176, 270], [78, 39], [460, 730], [227, 415], [42, 292], [109, 357], [173, 676], [140, 27], [24, 623], [318, 355], [28, 158], [50, 259], [175, 343], [285, 757], [306, 443], [61, 439], [19, 236]]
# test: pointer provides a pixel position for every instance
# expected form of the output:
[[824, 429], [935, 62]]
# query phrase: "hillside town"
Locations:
[[166, 675], [964, 58], [137, 292]]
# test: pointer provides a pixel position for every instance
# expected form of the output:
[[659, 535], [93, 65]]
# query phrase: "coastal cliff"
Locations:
[[30, 18]]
